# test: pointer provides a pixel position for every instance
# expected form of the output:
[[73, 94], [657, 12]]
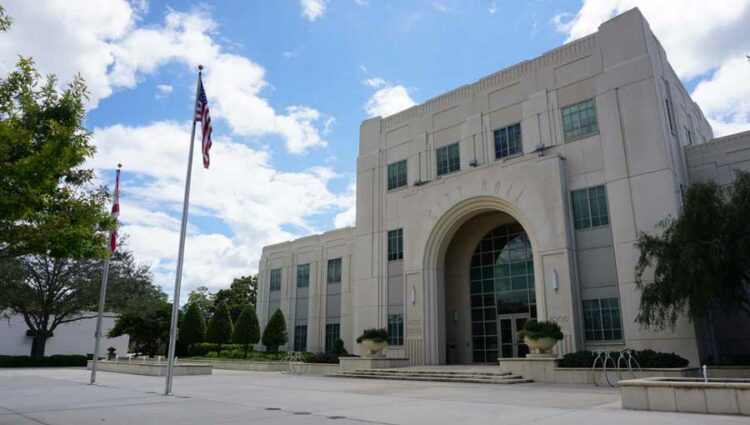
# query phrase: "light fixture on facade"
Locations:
[[555, 280], [413, 295]]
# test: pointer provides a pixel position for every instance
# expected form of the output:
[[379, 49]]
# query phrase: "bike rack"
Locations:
[[626, 362], [295, 363]]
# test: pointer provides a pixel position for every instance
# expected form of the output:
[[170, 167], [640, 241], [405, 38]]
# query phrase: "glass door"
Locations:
[[510, 325]]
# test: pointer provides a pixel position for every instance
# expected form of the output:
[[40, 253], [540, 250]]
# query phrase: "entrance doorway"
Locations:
[[510, 326]]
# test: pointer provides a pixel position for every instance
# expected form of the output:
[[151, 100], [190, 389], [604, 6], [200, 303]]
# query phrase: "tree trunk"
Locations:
[[246, 347], [38, 344], [219, 353]]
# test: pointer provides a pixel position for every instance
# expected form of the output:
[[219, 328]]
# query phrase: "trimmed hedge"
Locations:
[[57, 360], [203, 348], [645, 358]]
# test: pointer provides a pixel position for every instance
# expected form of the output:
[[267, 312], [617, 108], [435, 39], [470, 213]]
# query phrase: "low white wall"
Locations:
[[690, 395], [151, 368], [69, 338], [256, 366]]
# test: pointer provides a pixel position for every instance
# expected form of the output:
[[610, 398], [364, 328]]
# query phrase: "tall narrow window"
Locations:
[[300, 338], [303, 276], [508, 141], [579, 120], [601, 319], [275, 284], [448, 159], [396, 175], [689, 137], [333, 332], [396, 329], [334, 271], [395, 244], [590, 207]]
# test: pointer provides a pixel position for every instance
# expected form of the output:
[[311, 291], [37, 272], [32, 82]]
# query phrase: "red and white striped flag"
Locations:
[[202, 116], [115, 213]]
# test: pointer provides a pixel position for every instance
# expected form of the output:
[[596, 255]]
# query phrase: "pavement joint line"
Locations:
[[28, 417]]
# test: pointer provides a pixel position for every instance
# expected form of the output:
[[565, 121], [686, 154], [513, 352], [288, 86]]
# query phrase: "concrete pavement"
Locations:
[[62, 396]]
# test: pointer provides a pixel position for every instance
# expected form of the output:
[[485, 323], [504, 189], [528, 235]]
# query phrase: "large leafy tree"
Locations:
[[148, 329], [48, 291], [203, 300], [275, 334], [241, 293], [193, 329], [48, 205], [701, 259], [220, 327], [246, 329]]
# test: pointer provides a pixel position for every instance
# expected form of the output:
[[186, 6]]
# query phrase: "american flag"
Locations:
[[202, 116], [115, 213]]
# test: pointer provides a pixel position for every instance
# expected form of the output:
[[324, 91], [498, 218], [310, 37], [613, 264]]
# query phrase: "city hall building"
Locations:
[[513, 198]]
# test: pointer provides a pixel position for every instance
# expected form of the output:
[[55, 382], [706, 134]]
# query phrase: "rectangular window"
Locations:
[[275, 280], [303, 276], [579, 120], [590, 207], [448, 159], [397, 175], [300, 338], [333, 332], [396, 329], [395, 244], [601, 320], [508, 141], [689, 136], [334, 271]]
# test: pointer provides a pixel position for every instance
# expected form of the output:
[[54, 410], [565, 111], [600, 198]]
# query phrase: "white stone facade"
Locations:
[[635, 156]]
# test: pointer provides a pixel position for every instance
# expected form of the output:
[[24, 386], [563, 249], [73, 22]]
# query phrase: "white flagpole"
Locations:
[[181, 251], [102, 297]]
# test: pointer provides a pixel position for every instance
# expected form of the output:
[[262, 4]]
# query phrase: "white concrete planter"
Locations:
[[541, 345], [374, 348], [690, 395]]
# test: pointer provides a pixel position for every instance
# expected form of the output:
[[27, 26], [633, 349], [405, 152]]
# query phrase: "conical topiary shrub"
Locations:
[[275, 335], [220, 326], [193, 329], [247, 328]]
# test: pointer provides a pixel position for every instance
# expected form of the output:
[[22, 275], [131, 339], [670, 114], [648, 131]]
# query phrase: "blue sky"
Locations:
[[288, 83]]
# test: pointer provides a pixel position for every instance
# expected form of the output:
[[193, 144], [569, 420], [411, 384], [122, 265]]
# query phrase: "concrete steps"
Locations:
[[468, 376]]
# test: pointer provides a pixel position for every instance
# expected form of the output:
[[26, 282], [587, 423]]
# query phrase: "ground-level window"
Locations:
[[601, 319], [275, 280], [333, 332], [303, 276], [590, 207], [395, 244], [448, 159], [334, 270], [300, 338], [507, 141], [579, 120], [396, 175], [396, 329]]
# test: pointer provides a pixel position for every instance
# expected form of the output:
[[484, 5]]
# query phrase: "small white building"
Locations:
[[517, 197], [69, 338]]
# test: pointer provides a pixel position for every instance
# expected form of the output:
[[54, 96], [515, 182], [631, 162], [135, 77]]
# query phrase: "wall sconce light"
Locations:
[[455, 316], [555, 280], [413, 295]]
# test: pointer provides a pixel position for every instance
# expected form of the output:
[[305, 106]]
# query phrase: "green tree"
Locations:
[[48, 205], [148, 329], [275, 334], [203, 300], [241, 293], [5, 20], [220, 326], [701, 259], [193, 329], [247, 328]]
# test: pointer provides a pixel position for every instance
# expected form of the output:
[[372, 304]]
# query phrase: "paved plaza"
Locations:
[[62, 396]]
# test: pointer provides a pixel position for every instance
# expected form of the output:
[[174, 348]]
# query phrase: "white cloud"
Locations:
[[440, 7], [241, 190], [362, 2], [348, 217], [102, 41], [492, 9], [163, 89], [389, 100], [312, 9], [700, 38], [374, 82]]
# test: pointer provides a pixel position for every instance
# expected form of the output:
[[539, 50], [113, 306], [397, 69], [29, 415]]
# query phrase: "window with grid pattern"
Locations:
[[395, 244], [396, 175], [333, 332], [579, 120], [508, 141], [303, 276], [300, 338], [334, 271], [396, 329], [275, 284], [601, 320], [590, 207], [448, 159]]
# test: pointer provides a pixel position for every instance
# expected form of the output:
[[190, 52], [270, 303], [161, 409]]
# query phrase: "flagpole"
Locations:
[[102, 297], [181, 251]]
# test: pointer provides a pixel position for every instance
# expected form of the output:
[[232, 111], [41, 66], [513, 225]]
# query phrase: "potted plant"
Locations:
[[111, 353], [374, 341], [540, 336]]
